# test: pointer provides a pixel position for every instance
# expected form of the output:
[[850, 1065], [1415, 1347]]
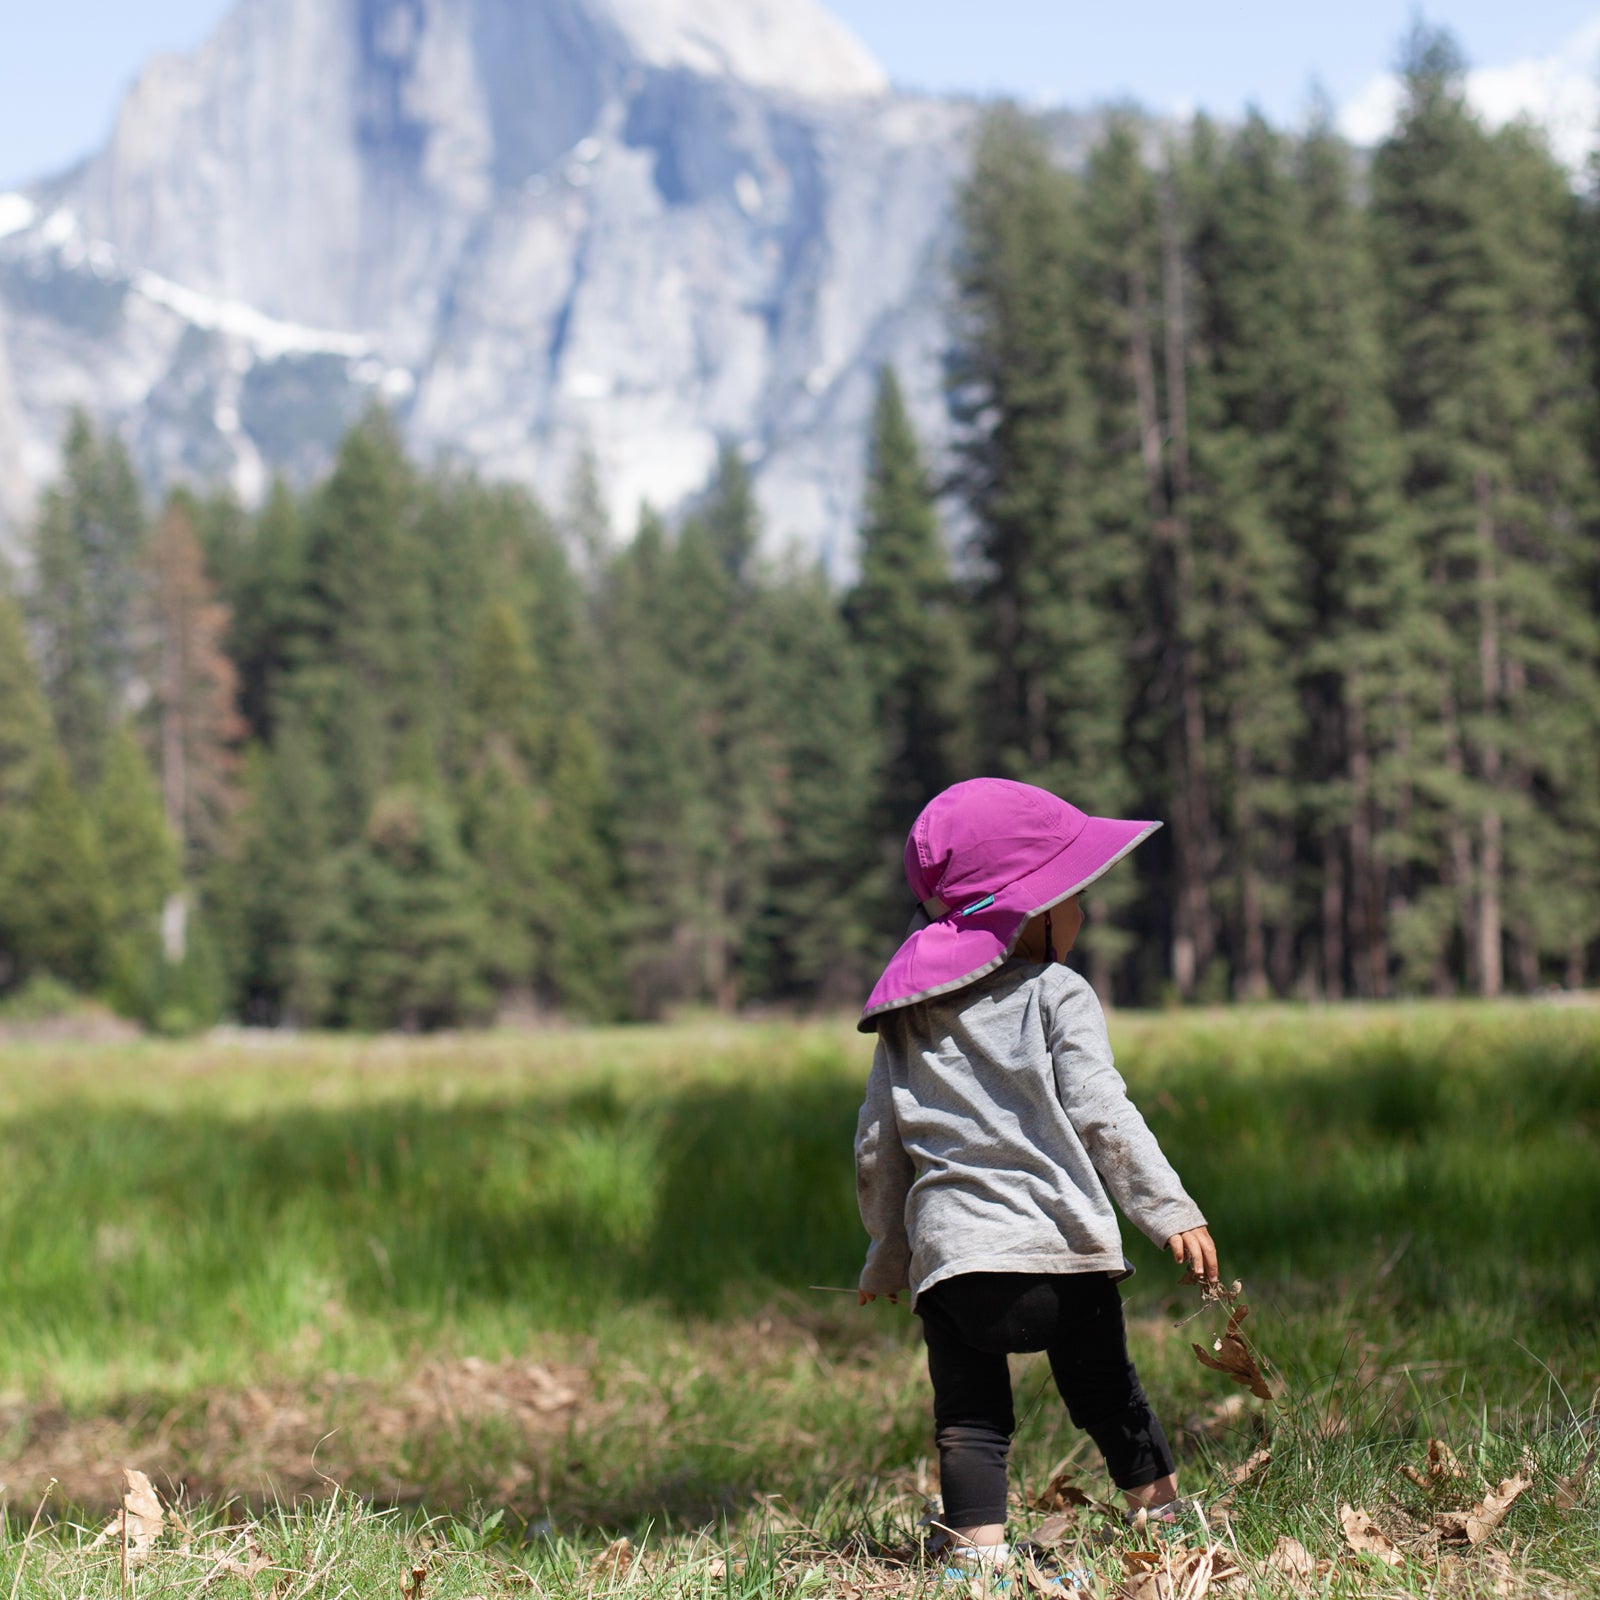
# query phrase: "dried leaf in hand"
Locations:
[[1233, 1356], [1475, 1525], [1246, 1470], [1569, 1490], [1364, 1536], [614, 1561]]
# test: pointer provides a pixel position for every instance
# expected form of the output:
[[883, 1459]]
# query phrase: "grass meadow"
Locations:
[[479, 1308]]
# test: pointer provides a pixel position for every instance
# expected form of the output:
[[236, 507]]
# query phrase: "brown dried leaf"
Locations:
[[139, 1521], [1476, 1524], [255, 1560], [1441, 1468], [1364, 1536], [614, 1562], [1246, 1470], [1060, 1493], [1052, 1531], [1233, 1356], [1569, 1490], [1177, 1574], [413, 1589], [1290, 1559]]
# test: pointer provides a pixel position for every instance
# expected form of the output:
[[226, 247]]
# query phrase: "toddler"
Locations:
[[994, 1136]]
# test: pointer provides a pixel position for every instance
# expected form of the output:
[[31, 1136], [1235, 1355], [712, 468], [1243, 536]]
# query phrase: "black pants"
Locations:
[[971, 1323]]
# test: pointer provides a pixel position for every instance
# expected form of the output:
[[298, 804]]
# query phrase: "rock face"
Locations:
[[532, 227]]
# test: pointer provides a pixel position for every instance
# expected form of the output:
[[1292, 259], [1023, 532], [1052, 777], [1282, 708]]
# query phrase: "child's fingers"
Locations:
[[862, 1297], [1207, 1251]]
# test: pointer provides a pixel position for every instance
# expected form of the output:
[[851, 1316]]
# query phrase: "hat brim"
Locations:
[[947, 954]]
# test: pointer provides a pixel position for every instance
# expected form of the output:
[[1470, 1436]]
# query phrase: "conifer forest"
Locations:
[[1273, 513]]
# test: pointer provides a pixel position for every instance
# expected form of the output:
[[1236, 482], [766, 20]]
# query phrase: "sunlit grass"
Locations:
[[312, 1227]]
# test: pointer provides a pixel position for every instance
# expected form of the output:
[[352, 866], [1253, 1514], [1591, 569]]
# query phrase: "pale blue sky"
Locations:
[[64, 64]]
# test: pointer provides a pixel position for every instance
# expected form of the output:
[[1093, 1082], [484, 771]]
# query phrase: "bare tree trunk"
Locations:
[[1100, 974], [1458, 844], [1366, 890], [1195, 863], [1332, 915], [1491, 976]]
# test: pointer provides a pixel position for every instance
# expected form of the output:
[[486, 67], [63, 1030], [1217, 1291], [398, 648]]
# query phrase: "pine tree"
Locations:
[[1363, 673], [142, 865], [274, 892], [580, 911], [27, 746], [505, 811], [658, 734], [369, 677], [1489, 390], [84, 582], [412, 947], [26, 735], [55, 899], [821, 927], [195, 689], [1055, 387], [910, 634], [267, 617], [1246, 223]]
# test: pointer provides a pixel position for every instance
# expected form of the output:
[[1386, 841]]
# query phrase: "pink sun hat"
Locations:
[[984, 857]]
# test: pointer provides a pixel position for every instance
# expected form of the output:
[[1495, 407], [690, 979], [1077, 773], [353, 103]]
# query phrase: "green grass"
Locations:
[[196, 1237]]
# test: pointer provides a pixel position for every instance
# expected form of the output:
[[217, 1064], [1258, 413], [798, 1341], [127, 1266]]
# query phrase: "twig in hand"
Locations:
[[1211, 1294]]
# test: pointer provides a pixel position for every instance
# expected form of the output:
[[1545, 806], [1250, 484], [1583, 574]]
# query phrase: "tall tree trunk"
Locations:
[[1491, 976], [1194, 805], [1366, 883], [1333, 914], [1458, 847]]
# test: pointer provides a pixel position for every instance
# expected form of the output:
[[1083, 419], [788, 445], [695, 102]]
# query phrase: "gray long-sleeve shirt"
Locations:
[[994, 1125]]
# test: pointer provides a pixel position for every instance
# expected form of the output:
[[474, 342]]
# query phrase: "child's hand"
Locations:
[[864, 1295], [1195, 1250]]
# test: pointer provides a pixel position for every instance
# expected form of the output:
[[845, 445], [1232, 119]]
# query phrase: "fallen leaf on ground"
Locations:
[[1442, 1467], [1246, 1470], [413, 1589], [1232, 1355], [1290, 1559], [1364, 1536], [614, 1561], [255, 1560], [1569, 1490], [1177, 1574], [1052, 1530], [1497, 1566], [139, 1521], [1477, 1523], [1060, 1493]]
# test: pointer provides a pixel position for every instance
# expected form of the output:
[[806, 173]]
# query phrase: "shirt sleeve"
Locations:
[[883, 1180], [1124, 1151]]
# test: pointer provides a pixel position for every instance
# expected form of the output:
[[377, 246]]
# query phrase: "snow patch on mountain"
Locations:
[[789, 45], [17, 212]]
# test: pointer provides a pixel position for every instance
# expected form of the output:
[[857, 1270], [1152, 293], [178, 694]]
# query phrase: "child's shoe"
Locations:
[[1169, 1518], [980, 1568]]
